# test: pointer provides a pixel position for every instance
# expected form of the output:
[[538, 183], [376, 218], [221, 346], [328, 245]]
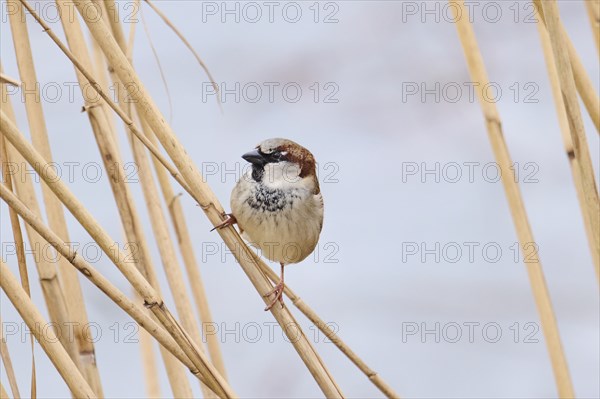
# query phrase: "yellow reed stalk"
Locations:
[[515, 201], [571, 105], [203, 194], [593, 9], [123, 197], [568, 143], [48, 275], [168, 257], [20, 249], [136, 312], [8, 367], [186, 248], [8, 80], [584, 84], [151, 297], [3, 394], [318, 322], [96, 87], [45, 336], [149, 363], [166, 247], [75, 305]]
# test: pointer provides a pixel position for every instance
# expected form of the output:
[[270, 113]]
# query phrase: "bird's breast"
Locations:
[[284, 224]]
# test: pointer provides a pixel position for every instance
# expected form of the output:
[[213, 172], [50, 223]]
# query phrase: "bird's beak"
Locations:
[[255, 158]]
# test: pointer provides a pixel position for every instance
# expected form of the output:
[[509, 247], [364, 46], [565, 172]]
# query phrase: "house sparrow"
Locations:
[[277, 204]]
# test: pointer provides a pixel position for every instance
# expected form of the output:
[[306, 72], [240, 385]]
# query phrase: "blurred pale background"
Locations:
[[358, 115]]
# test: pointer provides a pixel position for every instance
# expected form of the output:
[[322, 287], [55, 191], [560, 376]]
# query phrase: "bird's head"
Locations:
[[282, 163]]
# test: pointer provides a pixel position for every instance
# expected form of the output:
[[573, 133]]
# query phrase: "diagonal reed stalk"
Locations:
[[8, 80], [3, 393], [20, 249], [136, 312], [563, 122], [166, 247], [318, 322], [151, 378], [563, 63], [24, 188], [72, 308], [157, 218], [8, 367], [73, 296], [593, 9], [534, 268], [45, 336], [184, 241], [175, 210], [584, 84], [124, 199], [151, 297]]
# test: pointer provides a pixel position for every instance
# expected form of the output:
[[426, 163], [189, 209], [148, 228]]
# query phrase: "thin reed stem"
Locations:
[[208, 202], [565, 130], [519, 215], [151, 298], [45, 336]]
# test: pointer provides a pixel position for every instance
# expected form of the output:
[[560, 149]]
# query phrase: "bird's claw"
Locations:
[[278, 291], [230, 221]]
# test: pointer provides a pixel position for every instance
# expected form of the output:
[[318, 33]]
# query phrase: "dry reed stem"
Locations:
[[8, 80], [8, 367], [97, 88], [100, 71], [571, 105], [515, 201], [166, 247], [73, 296], [157, 218], [151, 298], [105, 139], [131, 37], [175, 210], [45, 336], [568, 143], [48, 275], [136, 312], [593, 9], [386, 389], [203, 194], [20, 249], [177, 380], [149, 362], [3, 394], [59, 308], [186, 248], [584, 84]]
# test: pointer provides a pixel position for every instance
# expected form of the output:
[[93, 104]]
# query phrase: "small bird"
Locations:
[[278, 206]]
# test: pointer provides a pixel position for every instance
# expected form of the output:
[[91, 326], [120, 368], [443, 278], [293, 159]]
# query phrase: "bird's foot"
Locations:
[[278, 291], [230, 221]]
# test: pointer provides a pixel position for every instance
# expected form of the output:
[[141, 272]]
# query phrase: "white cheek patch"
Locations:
[[281, 175]]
